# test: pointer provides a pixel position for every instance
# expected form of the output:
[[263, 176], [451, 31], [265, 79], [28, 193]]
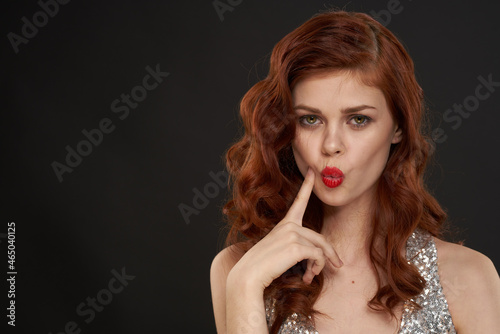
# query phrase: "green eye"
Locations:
[[359, 119], [311, 119]]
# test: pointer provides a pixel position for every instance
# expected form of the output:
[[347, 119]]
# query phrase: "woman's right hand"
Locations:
[[287, 244]]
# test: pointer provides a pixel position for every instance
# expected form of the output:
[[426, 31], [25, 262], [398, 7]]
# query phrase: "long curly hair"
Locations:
[[264, 177]]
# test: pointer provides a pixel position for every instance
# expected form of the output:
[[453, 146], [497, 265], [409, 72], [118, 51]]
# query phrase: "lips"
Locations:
[[332, 177]]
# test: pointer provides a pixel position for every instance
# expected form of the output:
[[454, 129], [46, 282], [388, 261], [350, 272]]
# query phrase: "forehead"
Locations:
[[336, 89]]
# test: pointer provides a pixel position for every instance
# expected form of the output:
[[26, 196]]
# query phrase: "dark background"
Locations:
[[120, 207]]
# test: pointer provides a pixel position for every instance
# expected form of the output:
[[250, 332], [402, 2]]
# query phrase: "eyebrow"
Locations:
[[349, 110]]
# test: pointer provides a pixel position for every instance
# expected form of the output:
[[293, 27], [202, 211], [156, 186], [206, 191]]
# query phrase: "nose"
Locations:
[[333, 141]]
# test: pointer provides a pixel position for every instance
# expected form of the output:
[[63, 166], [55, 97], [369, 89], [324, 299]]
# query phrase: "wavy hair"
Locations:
[[264, 177]]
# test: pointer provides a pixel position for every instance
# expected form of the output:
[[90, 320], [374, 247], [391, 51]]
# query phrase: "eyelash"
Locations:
[[366, 119]]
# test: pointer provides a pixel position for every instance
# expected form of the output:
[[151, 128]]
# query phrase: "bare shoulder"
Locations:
[[471, 286], [224, 261], [222, 264], [457, 257], [459, 261]]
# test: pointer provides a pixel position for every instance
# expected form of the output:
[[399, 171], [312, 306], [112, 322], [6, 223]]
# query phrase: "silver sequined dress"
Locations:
[[433, 317]]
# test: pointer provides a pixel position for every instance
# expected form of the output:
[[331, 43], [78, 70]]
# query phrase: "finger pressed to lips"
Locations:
[[297, 209], [296, 213], [317, 250]]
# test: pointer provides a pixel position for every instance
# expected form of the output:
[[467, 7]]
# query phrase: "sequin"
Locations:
[[433, 317]]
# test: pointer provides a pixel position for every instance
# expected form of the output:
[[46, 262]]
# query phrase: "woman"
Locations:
[[332, 229]]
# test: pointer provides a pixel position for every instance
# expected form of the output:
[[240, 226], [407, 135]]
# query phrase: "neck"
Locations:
[[349, 231]]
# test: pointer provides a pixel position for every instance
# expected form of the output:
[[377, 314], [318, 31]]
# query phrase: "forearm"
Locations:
[[245, 310]]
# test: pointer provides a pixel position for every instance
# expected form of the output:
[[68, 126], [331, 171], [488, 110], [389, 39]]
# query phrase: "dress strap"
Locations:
[[434, 315]]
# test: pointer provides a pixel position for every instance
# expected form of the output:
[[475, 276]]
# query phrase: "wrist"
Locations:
[[243, 284]]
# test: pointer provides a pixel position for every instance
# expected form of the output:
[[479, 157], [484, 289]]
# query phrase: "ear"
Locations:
[[398, 135]]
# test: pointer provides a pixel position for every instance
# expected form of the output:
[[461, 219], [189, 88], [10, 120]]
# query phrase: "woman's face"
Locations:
[[344, 124]]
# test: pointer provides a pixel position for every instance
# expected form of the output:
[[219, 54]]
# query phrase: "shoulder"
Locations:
[[460, 262], [471, 286], [222, 264], [224, 261]]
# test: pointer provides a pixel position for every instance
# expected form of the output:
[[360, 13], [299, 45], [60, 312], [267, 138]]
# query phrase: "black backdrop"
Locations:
[[110, 227]]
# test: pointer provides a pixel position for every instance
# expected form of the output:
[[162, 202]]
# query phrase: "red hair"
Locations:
[[265, 177]]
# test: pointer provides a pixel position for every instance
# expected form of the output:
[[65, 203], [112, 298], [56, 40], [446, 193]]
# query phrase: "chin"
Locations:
[[331, 199]]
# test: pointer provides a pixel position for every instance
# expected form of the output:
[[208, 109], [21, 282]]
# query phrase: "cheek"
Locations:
[[303, 152], [374, 152], [300, 154], [299, 160]]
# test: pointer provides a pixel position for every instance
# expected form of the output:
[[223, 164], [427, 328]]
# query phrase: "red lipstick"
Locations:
[[332, 177]]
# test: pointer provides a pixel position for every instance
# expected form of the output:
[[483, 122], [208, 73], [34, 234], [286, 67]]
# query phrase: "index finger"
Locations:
[[296, 211]]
